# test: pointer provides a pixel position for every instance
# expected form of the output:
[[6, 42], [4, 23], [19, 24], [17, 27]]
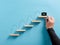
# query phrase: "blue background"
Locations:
[[14, 14]]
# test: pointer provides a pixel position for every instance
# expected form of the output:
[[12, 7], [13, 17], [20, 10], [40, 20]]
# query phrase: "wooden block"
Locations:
[[14, 34], [36, 21], [29, 25], [42, 16], [20, 30]]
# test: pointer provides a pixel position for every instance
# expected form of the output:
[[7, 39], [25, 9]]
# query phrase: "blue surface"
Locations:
[[14, 14]]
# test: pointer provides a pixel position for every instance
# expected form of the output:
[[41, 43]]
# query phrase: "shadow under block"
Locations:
[[42, 16], [28, 26], [14, 34], [20, 30], [36, 21]]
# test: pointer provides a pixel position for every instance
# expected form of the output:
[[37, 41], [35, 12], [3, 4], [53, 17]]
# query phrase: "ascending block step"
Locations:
[[20, 30], [36, 21], [14, 34], [42, 16], [28, 26]]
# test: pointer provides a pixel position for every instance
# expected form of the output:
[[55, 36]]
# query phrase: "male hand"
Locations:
[[49, 22]]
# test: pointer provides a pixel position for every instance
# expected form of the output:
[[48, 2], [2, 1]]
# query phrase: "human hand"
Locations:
[[49, 22]]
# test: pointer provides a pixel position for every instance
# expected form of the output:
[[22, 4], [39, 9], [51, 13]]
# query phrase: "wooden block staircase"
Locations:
[[28, 25]]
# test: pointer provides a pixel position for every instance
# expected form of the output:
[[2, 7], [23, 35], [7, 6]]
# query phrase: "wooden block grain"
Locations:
[[14, 34], [42, 16], [28, 25], [20, 30], [36, 21]]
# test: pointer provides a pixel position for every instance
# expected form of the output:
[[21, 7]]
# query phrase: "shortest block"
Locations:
[[29, 26], [36, 21], [14, 34], [20, 30], [42, 16]]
